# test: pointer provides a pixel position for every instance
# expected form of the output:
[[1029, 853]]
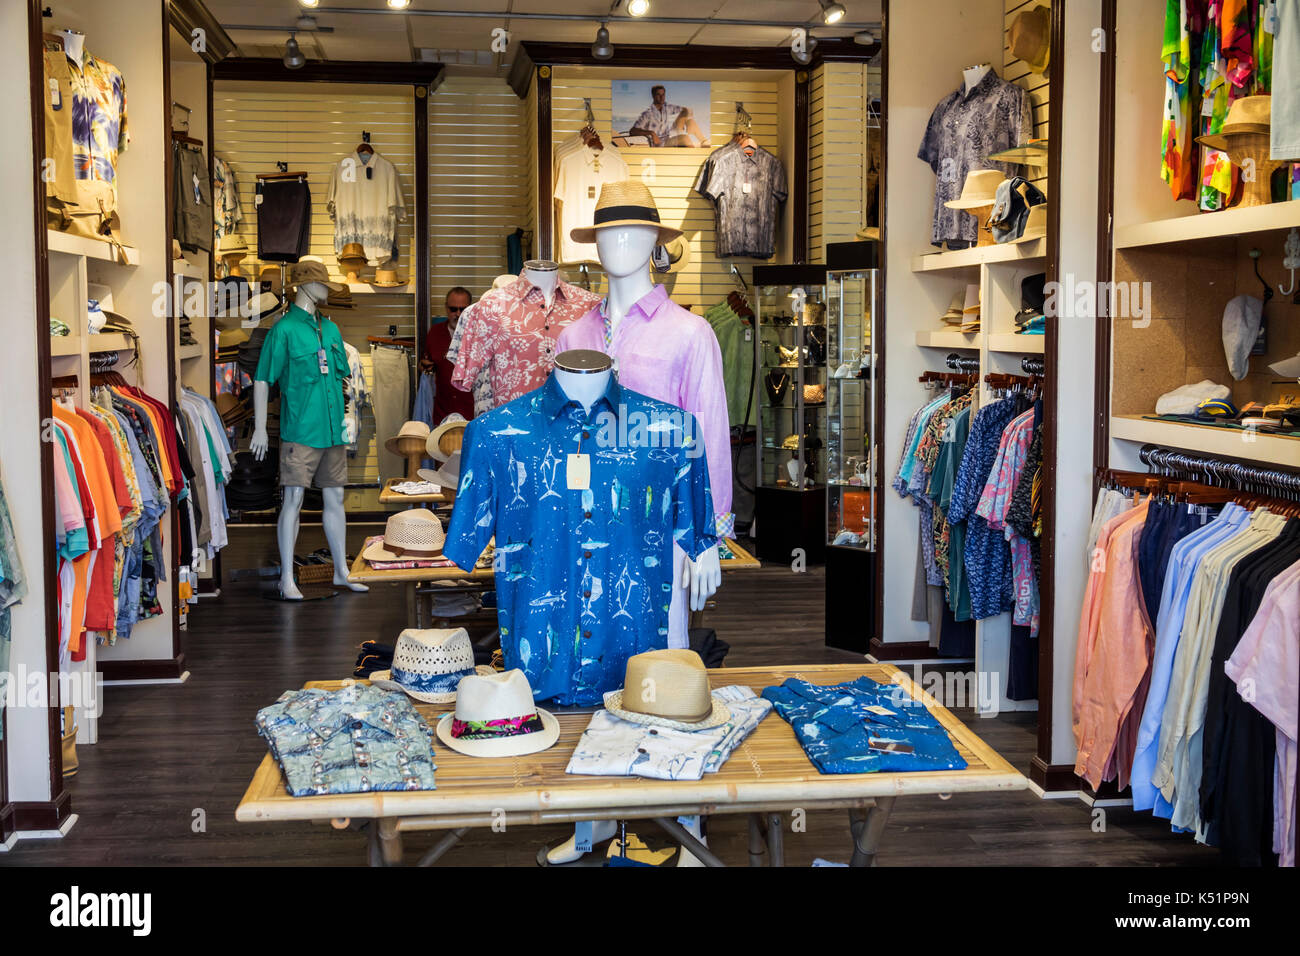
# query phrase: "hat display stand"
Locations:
[[1253, 148], [411, 447], [983, 234], [352, 268]]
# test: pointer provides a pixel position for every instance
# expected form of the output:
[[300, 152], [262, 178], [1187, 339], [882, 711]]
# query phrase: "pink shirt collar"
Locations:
[[647, 305]]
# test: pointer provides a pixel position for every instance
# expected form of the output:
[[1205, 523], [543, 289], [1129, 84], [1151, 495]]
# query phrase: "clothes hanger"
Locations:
[[364, 148]]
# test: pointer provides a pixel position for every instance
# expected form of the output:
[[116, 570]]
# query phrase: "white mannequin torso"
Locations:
[[973, 74], [625, 256], [546, 280], [583, 387], [74, 45]]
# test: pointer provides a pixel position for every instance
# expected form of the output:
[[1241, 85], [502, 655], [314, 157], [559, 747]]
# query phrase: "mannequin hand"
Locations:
[[703, 576], [259, 443]]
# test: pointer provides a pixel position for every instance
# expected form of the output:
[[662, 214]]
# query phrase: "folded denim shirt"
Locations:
[[834, 724], [354, 740], [613, 747]]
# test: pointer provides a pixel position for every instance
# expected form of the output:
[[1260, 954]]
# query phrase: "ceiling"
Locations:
[[464, 42]]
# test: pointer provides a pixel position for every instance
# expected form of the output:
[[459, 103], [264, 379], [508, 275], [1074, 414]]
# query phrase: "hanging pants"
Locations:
[[391, 401]]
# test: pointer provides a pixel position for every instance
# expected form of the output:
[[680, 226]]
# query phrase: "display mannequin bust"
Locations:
[[311, 295], [545, 275], [973, 74], [74, 45]]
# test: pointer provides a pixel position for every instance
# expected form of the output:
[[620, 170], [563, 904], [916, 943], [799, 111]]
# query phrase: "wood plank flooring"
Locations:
[[172, 762]]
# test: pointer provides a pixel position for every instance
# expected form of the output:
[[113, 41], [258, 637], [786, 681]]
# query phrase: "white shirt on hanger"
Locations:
[[365, 201], [580, 174]]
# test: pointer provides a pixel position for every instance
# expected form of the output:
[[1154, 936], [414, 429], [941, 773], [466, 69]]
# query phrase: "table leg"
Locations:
[[757, 846], [390, 842], [442, 846], [775, 839], [867, 827], [687, 839]]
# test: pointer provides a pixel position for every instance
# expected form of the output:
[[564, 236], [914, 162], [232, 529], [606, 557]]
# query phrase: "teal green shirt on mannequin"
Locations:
[[311, 401]]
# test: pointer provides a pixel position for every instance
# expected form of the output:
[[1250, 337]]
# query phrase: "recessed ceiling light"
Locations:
[[602, 49], [310, 3], [638, 8], [832, 12], [399, 4]]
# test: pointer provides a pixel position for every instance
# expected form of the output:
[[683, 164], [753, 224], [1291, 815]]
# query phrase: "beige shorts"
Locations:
[[300, 464]]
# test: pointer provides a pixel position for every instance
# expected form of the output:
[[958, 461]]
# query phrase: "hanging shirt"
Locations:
[[965, 128], [304, 355], [365, 201], [513, 334], [99, 129], [226, 210], [747, 187], [481, 388], [736, 345], [583, 573], [446, 398], [579, 176]]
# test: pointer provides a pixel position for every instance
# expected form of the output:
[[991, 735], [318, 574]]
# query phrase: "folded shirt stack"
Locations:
[[356, 739], [613, 747], [863, 727]]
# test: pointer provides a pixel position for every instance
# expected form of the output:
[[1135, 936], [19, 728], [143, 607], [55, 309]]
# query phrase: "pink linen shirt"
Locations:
[[670, 354], [513, 333]]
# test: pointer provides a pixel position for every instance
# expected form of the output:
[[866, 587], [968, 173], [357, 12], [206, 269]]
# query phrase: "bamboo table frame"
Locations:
[[387, 496], [766, 776]]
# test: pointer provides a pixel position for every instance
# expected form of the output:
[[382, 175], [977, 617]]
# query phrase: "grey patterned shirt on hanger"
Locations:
[[964, 129], [747, 192]]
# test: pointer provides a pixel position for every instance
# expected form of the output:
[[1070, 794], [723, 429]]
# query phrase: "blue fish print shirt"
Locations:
[[583, 575]]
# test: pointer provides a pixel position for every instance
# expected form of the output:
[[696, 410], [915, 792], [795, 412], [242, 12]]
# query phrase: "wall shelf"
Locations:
[[1017, 344], [948, 339], [69, 245], [62, 345], [365, 288], [1210, 225], [184, 352], [192, 270], [1016, 252], [1211, 439], [109, 342]]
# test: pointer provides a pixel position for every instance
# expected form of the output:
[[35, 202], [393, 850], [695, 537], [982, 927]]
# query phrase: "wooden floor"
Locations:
[[173, 761]]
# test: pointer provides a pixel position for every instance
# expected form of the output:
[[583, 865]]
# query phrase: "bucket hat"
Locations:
[[311, 270]]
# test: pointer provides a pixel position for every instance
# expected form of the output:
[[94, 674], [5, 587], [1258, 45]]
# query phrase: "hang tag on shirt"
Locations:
[[1269, 18], [880, 711], [749, 335], [324, 362], [578, 472], [56, 98], [582, 836], [198, 196], [591, 192], [889, 746], [745, 188], [257, 199], [1207, 106]]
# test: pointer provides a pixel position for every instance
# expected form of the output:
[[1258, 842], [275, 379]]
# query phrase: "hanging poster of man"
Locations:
[[651, 113]]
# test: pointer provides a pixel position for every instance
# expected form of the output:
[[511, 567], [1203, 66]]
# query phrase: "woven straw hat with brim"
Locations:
[[675, 257], [624, 203], [1250, 114], [447, 438], [1029, 38], [313, 270], [408, 430], [954, 314], [429, 663], [971, 309], [979, 189], [1035, 225], [668, 688], [386, 279], [495, 716], [408, 535], [229, 245]]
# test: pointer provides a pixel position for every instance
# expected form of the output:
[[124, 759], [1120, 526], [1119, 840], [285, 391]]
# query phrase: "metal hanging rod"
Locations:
[[573, 18], [962, 363], [1207, 469], [1033, 364]]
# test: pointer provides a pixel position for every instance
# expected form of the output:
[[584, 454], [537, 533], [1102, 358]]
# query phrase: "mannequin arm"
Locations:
[[261, 390], [703, 576]]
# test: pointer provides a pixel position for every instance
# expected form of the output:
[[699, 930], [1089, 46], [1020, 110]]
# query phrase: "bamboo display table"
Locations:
[[387, 496], [767, 776]]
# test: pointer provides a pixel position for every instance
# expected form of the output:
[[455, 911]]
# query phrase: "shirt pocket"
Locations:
[[304, 368]]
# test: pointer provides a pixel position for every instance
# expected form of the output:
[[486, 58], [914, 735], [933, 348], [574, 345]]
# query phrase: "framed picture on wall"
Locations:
[[655, 113]]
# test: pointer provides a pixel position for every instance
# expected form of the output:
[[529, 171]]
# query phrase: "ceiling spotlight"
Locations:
[[293, 58], [804, 57], [832, 12], [602, 49], [399, 4], [638, 8], [310, 3]]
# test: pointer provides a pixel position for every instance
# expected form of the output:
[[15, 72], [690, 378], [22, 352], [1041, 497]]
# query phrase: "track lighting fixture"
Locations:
[[832, 12], [399, 4], [602, 49], [638, 8], [293, 58]]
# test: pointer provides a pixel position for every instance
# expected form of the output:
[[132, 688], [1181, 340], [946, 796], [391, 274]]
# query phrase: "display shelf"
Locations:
[[948, 339], [1210, 225], [186, 268], [1017, 252], [65, 345], [1211, 439], [1033, 153], [184, 352], [69, 245], [109, 342], [1017, 344], [365, 288]]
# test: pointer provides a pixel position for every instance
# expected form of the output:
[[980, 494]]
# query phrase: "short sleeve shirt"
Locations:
[[747, 193], [311, 401], [659, 121], [578, 181]]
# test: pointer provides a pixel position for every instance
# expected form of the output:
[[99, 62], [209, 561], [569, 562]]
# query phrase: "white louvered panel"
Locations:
[[478, 182], [1016, 71], [816, 162], [838, 138], [671, 174]]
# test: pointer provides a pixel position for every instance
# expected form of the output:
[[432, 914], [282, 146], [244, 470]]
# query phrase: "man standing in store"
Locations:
[[446, 399], [667, 125]]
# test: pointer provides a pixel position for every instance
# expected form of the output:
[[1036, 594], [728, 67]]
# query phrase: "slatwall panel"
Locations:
[[479, 147], [671, 175], [311, 129], [1015, 71], [838, 138]]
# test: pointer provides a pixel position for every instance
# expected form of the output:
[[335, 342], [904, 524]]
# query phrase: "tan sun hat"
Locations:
[[954, 314], [1036, 224], [1250, 114], [408, 430], [1029, 38], [416, 533], [671, 257], [429, 663], [230, 244], [624, 203], [312, 270], [496, 717], [447, 438], [668, 688], [979, 189], [352, 252], [387, 278]]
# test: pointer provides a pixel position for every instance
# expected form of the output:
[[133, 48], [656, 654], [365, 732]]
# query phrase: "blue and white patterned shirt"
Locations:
[[583, 575]]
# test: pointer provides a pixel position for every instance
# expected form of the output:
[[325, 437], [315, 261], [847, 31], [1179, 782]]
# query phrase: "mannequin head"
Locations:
[[311, 295], [625, 250]]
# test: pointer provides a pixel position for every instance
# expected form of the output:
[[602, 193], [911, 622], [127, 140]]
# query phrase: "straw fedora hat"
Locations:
[[1250, 114], [428, 664], [386, 278], [447, 438], [624, 203], [671, 257], [1035, 225], [954, 314], [979, 189], [447, 475], [1029, 38], [668, 688], [416, 533], [313, 270], [408, 430], [230, 245], [971, 309], [495, 716]]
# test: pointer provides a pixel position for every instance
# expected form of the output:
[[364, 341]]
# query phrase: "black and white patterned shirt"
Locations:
[[963, 130], [747, 192]]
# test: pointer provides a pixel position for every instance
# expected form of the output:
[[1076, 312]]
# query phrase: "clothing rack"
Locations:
[[386, 340], [947, 378], [744, 286], [1033, 364], [64, 382], [962, 363], [282, 174], [1220, 472]]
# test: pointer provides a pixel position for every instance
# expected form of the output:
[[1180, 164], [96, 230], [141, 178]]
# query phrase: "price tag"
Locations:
[[880, 711], [1270, 18], [56, 99], [749, 335], [582, 836], [578, 472], [745, 188], [889, 746], [691, 823], [324, 362], [198, 196], [257, 199]]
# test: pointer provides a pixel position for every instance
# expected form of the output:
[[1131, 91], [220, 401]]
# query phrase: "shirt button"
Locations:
[[586, 594], [654, 733], [586, 434], [586, 514], [586, 633], [640, 750], [586, 554]]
